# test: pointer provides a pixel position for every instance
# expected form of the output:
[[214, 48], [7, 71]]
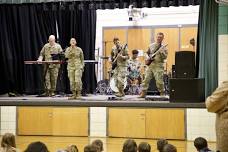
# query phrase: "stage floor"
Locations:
[[89, 97], [97, 101]]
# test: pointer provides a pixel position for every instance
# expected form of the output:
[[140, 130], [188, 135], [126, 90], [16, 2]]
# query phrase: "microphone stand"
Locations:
[[62, 59]]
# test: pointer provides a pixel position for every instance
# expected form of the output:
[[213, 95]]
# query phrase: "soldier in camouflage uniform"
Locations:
[[75, 68], [156, 68], [120, 72], [50, 50]]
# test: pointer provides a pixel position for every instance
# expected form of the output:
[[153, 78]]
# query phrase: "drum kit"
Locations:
[[108, 86], [131, 83]]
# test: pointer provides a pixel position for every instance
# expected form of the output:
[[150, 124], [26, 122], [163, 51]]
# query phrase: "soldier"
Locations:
[[48, 53], [75, 68], [156, 68], [120, 55]]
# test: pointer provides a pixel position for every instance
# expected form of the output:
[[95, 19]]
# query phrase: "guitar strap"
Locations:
[[119, 49], [159, 46]]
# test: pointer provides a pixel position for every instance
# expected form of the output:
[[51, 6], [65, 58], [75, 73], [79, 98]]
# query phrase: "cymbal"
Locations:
[[104, 57]]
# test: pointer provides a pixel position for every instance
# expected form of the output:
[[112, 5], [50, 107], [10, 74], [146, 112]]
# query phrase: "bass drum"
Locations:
[[113, 84]]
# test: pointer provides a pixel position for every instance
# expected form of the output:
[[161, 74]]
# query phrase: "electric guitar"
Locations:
[[114, 62], [151, 58]]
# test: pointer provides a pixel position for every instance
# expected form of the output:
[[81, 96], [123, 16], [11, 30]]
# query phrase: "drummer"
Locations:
[[134, 67]]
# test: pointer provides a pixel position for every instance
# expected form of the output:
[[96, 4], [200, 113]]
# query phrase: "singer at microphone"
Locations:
[[75, 68]]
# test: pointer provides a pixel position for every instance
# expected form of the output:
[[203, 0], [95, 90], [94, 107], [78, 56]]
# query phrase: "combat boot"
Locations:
[[51, 93], [162, 93], [78, 95], [142, 94], [120, 93], [74, 96], [47, 93]]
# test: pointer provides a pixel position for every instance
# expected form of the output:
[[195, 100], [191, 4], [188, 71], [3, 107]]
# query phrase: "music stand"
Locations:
[[61, 58]]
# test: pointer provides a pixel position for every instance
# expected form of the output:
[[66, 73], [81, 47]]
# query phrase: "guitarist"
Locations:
[[157, 53], [119, 57]]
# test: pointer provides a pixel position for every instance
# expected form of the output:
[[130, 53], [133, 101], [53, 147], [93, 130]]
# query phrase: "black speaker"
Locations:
[[185, 64], [187, 90], [173, 71]]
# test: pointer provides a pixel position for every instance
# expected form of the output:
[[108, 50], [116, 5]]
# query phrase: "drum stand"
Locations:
[[103, 86], [60, 74]]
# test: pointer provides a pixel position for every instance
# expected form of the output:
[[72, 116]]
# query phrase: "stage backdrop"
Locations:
[[25, 29]]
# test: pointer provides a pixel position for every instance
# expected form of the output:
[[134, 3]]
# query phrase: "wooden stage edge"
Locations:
[[97, 101]]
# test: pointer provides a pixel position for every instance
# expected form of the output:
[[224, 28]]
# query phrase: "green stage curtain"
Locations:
[[208, 45]]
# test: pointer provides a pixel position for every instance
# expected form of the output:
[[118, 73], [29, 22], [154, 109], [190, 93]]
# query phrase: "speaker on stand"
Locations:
[[185, 64]]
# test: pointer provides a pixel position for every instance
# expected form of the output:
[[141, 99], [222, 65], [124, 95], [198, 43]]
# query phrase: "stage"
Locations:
[[97, 101]]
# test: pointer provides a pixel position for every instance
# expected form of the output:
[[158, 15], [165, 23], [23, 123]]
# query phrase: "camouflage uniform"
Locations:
[[51, 70], [75, 68], [156, 68], [120, 72]]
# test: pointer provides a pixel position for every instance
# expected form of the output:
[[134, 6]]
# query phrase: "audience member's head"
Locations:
[[8, 140], [72, 148], [144, 147], [200, 143], [129, 146], [62, 150], [90, 148], [169, 148], [160, 144], [99, 144], [37, 147]]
